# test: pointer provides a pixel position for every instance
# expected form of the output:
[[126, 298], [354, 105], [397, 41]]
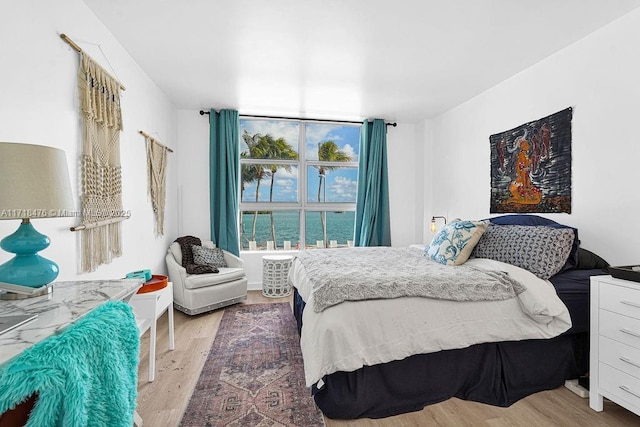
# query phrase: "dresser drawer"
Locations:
[[620, 387], [620, 356], [620, 328], [620, 299]]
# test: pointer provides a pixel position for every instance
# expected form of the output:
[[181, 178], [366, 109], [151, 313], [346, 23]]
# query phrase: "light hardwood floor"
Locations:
[[162, 402]]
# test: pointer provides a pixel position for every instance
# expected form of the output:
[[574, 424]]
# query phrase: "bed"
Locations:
[[380, 356]]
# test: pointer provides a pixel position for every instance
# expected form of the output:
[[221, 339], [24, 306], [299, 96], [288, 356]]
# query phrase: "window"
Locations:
[[298, 183]]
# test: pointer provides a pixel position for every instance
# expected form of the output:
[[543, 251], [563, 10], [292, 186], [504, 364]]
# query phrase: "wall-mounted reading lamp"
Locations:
[[433, 222]]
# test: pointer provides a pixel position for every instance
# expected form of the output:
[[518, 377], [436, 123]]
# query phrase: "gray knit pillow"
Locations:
[[538, 249], [209, 256]]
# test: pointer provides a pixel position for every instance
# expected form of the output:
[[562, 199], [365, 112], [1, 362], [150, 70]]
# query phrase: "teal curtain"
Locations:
[[372, 226], [224, 166]]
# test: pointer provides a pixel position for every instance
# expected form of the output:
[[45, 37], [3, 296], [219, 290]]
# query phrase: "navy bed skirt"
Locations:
[[494, 373]]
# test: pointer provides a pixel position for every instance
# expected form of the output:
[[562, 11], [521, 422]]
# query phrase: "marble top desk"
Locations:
[[67, 303]]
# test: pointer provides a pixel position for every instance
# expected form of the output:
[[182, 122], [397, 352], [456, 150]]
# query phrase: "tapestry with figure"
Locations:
[[531, 166], [101, 173]]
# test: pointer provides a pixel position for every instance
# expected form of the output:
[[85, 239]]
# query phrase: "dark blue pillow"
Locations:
[[533, 220], [587, 260]]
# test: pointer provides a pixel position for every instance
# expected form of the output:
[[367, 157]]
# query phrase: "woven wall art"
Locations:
[[101, 173], [156, 175]]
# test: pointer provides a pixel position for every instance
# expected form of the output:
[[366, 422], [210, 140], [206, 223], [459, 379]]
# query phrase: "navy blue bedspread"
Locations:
[[494, 373], [572, 286]]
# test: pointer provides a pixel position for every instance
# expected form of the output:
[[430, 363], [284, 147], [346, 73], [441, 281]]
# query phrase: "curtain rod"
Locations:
[[202, 113], [79, 50], [146, 135]]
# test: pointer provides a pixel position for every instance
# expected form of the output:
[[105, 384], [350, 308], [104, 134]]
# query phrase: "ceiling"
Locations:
[[403, 60]]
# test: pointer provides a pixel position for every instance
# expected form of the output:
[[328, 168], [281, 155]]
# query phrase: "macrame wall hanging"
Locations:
[[101, 173], [156, 173]]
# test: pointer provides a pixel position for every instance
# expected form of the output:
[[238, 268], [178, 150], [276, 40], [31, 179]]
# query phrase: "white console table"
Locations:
[[148, 307]]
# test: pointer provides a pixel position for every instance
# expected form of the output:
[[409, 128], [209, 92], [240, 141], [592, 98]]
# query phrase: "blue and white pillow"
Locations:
[[452, 245]]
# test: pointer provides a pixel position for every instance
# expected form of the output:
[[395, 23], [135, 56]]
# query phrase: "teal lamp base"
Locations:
[[27, 268]]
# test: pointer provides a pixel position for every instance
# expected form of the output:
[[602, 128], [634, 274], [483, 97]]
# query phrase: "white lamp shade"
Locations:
[[34, 182]]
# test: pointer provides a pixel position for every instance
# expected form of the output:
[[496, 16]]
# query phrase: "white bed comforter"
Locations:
[[353, 334]]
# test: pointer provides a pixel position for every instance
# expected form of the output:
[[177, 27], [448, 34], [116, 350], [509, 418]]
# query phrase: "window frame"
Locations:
[[303, 205]]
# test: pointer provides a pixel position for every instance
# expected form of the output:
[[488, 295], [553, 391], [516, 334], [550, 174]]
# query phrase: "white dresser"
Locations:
[[614, 370]]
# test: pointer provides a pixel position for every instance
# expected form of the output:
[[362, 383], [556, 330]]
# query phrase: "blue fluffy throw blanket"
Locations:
[[86, 375]]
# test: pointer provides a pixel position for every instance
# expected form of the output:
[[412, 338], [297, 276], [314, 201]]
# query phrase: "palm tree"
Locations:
[[248, 173], [257, 149], [277, 149], [328, 151]]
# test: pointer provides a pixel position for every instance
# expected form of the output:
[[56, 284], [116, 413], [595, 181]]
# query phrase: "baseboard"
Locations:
[[576, 388], [255, 286]]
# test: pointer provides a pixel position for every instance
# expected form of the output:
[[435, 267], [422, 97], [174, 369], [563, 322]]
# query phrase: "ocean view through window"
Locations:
[[298, 183]]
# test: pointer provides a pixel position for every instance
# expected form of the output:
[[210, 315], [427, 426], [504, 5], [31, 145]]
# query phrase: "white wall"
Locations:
[[424, 178], [39, 105], [599, 77], [193, 175], [405, 192], [405, 188]]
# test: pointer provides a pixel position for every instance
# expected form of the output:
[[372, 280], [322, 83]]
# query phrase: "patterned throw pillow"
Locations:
[[210, 256], [540, 249], [536, 220], [452, 245]]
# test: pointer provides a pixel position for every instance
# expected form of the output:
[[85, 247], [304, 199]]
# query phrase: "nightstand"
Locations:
[[148, 307], [614, 361]]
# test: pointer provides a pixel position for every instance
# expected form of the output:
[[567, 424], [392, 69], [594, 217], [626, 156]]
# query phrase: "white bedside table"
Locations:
[[148, 307], [614, 360]]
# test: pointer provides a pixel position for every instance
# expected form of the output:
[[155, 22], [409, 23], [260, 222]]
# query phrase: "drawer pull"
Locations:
[[628, 332], [630, 362], [631, 303], [625, 388]]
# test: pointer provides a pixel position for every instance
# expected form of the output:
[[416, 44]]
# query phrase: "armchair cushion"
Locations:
[[210, 256], [195, 281]]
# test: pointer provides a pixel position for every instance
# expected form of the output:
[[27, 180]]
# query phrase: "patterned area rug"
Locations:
[[253, 375]]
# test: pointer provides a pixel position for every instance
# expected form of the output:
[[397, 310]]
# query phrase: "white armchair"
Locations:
[[197, 293]]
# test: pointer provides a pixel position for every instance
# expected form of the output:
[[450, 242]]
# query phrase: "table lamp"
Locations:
[[34, 183]]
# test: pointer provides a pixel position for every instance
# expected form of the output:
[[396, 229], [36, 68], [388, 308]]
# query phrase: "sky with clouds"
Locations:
[[341, 184]]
